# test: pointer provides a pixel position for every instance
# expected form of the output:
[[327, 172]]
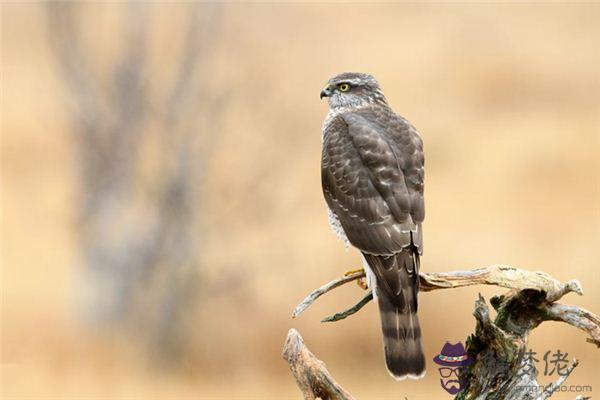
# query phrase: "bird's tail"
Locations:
[[396, 290]]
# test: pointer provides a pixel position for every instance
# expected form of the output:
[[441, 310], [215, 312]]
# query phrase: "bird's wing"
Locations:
[[372, 177]]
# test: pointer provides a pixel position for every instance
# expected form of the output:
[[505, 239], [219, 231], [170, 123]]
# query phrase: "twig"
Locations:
[[304, 304], [310, 373], [577, 317], [553, 387], [498, 275], [349, 311]]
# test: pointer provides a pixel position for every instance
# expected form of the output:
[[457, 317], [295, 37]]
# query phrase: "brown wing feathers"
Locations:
[[372, 175]]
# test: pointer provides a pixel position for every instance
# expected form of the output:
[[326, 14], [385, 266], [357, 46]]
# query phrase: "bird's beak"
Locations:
[[326, 92]]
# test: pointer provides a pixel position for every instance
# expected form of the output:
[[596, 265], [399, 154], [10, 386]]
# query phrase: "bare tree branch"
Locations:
[[310, 373], [499, 275], [304, 304], [497, 346], [552, 388], [73, 64], [138, 228], [578, 317], [351, 310]]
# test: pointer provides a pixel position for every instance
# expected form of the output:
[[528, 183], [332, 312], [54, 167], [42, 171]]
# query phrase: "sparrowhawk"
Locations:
[[372, 171]]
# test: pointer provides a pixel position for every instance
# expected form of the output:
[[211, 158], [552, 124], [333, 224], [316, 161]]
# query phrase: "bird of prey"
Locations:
[[372, 170]]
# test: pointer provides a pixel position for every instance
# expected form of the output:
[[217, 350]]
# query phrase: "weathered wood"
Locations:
[[500, 370], [351, 310], [500, 275], [498, 346], [310, 373], [551, 389], [315, 294], [577, 317]]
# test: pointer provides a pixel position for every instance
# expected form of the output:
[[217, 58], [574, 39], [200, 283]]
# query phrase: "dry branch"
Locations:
[[579, 318], [143, 141], [497, 345], [310, 373], [351, 310], [500, 275], [549, 391], [304, 304]]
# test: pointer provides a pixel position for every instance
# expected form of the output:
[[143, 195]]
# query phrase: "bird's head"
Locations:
[[352, 89]]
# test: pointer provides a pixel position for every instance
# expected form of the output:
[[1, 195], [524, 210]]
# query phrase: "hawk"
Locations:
[[372, 171]]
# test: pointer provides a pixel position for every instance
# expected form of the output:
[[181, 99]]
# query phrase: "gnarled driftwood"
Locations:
[[310, 373], [498, 346]]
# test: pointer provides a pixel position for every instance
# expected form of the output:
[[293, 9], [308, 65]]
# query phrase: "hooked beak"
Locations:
[[326, 92]]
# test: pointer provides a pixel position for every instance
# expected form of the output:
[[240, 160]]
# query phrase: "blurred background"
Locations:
[[162, 208]]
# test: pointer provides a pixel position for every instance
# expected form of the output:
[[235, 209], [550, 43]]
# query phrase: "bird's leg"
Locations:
[[361, 282]]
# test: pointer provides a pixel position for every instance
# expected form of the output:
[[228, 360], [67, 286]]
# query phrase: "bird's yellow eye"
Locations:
[[343, 87]]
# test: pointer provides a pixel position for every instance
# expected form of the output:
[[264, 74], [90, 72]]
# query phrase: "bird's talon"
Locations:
[[361, 282], [353, 271]]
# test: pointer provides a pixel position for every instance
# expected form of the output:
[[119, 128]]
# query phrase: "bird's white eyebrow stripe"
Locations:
[[350, 81]]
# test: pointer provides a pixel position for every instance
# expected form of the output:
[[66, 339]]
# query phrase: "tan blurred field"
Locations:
[[507, 100]]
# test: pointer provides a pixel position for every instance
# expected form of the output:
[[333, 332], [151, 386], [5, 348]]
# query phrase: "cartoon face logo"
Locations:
[[451, 359]]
